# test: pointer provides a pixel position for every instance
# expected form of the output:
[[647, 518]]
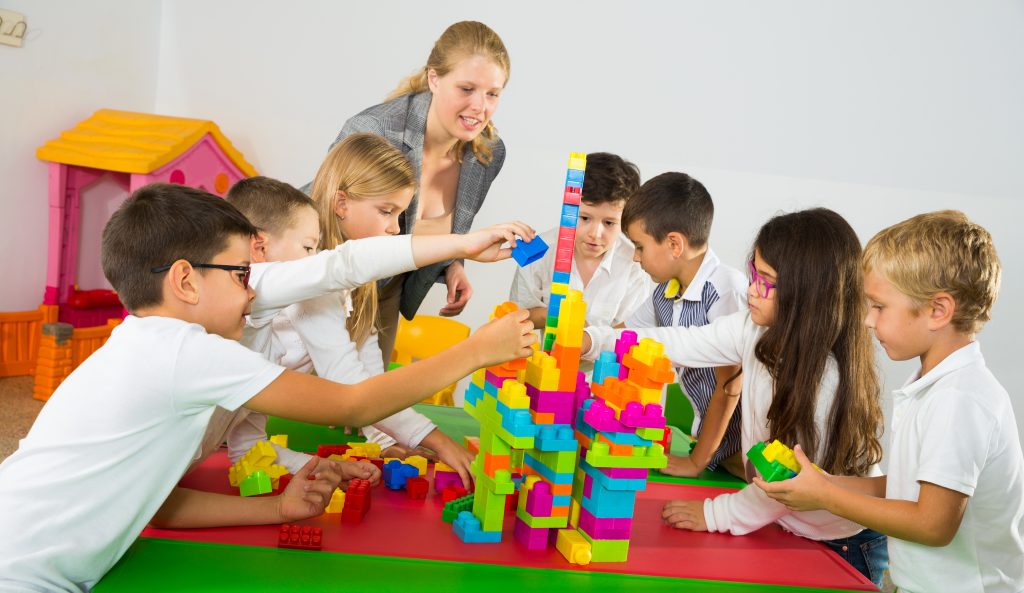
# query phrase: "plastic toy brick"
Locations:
[[446, 479], [601, 417], [472, 443], [467, 528], [526, 253], [627, 339], [637, 415], [556, 438], [300, 537], [574, 547], [570, 215], [417, 488], [337, 503], [652, 457], [368, 450], [775, 461], [357, 499], [513, 395], [605, 366], [280, 440], [450, 493], [326, 451], [607, 550], [397, 473], [452, 508], [599, 477], [572, 195], [499, 483], [419, 462], [531, 538], [256, 483], [539, 499], [552, 522], [604, 528], [541, 372]]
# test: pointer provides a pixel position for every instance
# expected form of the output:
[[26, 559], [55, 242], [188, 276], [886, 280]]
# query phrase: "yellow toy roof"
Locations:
[[134, 142]]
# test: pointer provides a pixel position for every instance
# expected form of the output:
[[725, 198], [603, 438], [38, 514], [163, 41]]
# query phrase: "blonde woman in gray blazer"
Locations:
[[440, 118]]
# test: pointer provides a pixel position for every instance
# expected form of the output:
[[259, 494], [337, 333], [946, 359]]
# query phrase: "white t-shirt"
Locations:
[[955, 428], [619, 285], [111, 444], [731, 340]]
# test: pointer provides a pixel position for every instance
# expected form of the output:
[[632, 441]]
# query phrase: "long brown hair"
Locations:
[[819, 312], [462, 40], [362, 165]]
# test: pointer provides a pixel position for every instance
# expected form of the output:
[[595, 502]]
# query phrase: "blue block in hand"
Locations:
[[526, 253]]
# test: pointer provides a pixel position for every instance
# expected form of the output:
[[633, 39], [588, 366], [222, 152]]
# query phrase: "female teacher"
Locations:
[[440, 118]]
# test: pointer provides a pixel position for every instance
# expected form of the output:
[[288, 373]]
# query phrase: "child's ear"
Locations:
[[432, 79], [677, 242], [942, 308], [258, 248], [341, 204], [181, 281]]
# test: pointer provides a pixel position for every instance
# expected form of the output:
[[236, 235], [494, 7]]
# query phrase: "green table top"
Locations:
[[157, 565]]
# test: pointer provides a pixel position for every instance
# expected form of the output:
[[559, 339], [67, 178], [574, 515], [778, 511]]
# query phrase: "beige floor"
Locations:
[[17, 410]]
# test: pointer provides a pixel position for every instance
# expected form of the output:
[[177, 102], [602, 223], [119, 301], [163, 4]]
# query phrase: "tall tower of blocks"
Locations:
[[577, 451]]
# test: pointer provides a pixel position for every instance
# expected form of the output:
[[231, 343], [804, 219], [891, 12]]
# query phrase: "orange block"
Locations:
[[493, 463], [542, 417], [616, 449], [559, 511], [561, 489]]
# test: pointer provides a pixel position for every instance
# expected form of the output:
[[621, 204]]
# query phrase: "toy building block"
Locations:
[[337, 503], [454, 507], [417, 488], [573, 546], [607, 550], [771, 471], [467, 528], [652, 457], [326, 451], [417, 461], [526, 253], [357, 501], [279, 439], [396, 473], [531, 538], [450, 493], [300, 537], [255, 484], [445, 476], [368, 450]]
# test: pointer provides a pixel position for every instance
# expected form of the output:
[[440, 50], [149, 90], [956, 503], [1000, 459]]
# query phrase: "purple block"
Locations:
[[496, 380], [604, 528], [444, 479], [627, 339], [623, 372], [637, 416], [588, 485], [559, 403], [582, 393], [532, 538], [602, 418], [624, 473], [539, 500]]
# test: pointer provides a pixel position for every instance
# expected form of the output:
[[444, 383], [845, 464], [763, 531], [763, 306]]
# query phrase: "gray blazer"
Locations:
[[403, 122]]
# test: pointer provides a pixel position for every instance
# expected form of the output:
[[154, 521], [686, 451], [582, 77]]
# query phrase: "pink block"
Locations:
[[572, 196], [588, 485], [624, 473], [627, 339], [495, 379], [604, 528], [539, 500], [602, 418], [636, 415], [444, 479], [532, 538]]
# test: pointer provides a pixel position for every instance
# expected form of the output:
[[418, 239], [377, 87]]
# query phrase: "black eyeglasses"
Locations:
[[245, 270]]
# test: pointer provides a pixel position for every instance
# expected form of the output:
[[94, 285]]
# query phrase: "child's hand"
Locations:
[[505, 339], [456, 457], [357, 470], [804, 492], [681, 466], [485, 245], [304, 498], [400, 452], [685, 514], [459, 290]]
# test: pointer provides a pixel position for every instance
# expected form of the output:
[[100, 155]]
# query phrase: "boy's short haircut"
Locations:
[[940, 252], [672, 203], [609, 178], [268, 203], [158, 225]]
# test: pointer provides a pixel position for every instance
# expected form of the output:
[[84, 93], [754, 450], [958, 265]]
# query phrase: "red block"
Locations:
[[417, 488], [450, 493], [300, 537], [326, 451]]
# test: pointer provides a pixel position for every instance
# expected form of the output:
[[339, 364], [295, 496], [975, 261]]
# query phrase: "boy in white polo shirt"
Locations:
[[613, 285], [953, 501], [669, 222]]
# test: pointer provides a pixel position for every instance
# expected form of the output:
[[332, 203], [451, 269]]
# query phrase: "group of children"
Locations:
[[790, 338]]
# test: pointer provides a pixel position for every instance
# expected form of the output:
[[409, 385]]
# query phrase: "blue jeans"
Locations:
[[867, 551]]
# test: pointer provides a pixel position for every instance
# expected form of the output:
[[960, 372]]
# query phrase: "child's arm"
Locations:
[[712, 428], [932, 520], [326, 402], [718, 343], [354, 263], [301, 499], [252, 430]]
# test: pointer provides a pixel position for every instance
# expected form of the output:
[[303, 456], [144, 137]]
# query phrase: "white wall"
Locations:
[[77, 57], [878, 110]]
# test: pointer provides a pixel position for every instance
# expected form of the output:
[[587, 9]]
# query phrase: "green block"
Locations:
[[607, 550], [551, 522], [454, 507], [578, 481], [258, 482], [489, 507], [652, 457], [549, 340], [651, 434], [501, 483], [517, 456], [771, 471]]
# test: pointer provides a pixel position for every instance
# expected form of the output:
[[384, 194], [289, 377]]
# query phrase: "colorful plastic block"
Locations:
[[300, 537], [526, 253], [574, 547], [531, 538], [419, 462], [467, 528], [337, 503], [454, 507], [396, 473], [256, 483], [450, 493], [417, 488]]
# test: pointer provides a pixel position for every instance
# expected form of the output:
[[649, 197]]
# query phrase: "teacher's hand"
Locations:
[[459, 290]]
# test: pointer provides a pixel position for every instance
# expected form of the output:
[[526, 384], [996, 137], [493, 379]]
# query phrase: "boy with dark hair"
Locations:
[[104, 456], [613, 285], [669, 222]]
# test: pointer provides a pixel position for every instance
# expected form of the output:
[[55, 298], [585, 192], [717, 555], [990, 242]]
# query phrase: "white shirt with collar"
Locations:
[[955, 428], [619, 285]]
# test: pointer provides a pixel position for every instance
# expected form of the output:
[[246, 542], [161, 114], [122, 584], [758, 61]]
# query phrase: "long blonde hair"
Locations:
[[363, 166], [458, 42]]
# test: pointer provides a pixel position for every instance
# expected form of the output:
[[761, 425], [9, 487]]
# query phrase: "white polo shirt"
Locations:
[[954, 427], [619, 285]]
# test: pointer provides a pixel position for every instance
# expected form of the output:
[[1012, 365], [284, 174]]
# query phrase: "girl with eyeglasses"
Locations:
[[809, 377]]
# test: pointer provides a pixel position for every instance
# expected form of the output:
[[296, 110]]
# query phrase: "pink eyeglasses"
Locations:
[[760, 283]]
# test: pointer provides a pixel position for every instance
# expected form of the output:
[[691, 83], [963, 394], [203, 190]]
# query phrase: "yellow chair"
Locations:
[[425, 336]]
